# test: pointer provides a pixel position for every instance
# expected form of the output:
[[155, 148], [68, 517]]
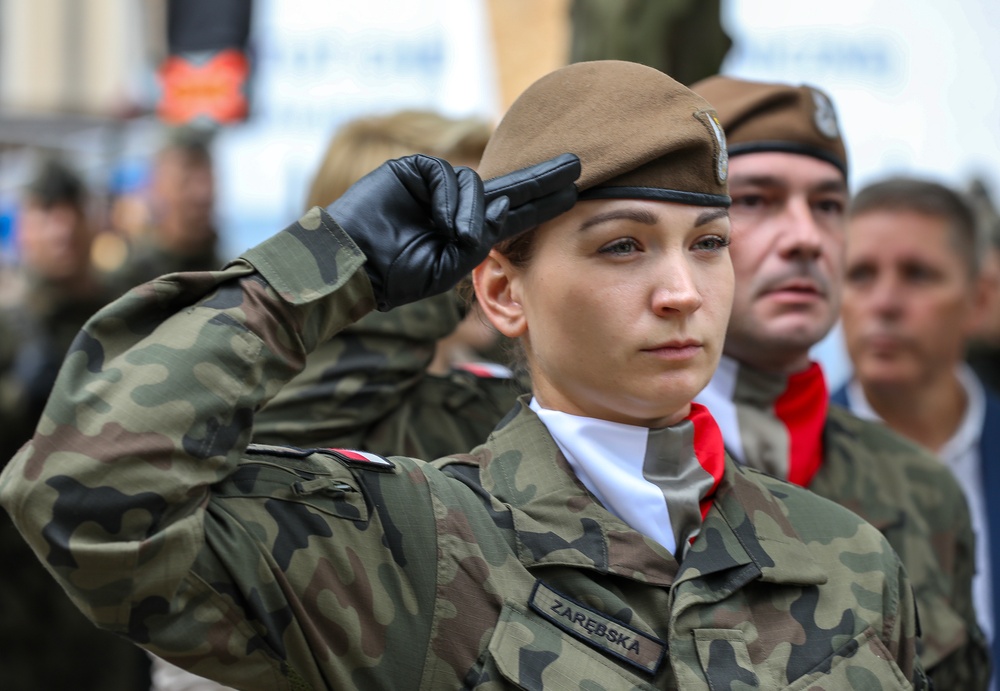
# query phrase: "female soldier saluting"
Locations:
[[599, 538]]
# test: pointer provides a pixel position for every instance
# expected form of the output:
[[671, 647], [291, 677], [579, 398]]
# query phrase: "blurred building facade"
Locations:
[[79, 57], [76, 79]]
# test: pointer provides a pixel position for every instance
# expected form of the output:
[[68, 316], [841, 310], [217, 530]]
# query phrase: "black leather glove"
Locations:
[[423, 225]]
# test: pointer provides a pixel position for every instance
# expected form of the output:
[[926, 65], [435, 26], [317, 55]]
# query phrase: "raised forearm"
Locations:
[[155, 404]]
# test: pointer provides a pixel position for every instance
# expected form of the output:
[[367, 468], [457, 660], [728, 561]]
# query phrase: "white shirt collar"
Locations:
[[966, 436]]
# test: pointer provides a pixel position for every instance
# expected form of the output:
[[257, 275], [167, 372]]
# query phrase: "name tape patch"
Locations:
[[599, 630]]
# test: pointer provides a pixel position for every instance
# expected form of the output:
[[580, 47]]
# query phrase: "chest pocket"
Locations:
[[862, 663], [724, 659], [532, 654]]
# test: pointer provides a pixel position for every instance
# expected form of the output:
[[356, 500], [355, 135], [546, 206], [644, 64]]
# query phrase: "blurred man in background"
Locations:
[[913, 296], [182, 234], [983, 353], [48, 296]]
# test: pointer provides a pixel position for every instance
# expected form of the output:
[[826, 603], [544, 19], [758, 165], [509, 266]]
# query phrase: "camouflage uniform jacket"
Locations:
[[368, 388], [272, 568], [897, 487], [918, 506]]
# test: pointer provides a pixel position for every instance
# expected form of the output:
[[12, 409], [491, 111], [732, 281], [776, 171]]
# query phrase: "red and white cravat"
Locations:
[[659, 481], [772, 422]]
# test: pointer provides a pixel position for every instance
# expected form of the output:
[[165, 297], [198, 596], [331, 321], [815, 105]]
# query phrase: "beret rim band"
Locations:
[[789, 148], [656, 194]]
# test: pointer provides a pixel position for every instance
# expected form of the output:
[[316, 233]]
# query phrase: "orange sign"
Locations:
[[214, 88]]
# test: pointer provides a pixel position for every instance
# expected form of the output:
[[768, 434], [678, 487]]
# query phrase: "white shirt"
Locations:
[[961, 454]]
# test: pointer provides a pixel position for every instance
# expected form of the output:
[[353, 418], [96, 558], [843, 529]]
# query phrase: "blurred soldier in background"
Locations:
[[182, 235], [47, 297], [683, 38], [45, 642]]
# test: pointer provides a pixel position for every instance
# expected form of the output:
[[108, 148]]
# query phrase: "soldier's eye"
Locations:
[[620, 247]]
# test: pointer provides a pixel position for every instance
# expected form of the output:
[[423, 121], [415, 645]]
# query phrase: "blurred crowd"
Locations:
[[67, 264]]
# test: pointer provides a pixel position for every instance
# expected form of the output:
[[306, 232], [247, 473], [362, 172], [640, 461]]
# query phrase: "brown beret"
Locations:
[[776, 117], [639, 134]]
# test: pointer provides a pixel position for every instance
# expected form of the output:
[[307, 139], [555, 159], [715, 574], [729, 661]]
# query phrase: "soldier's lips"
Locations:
[[676, 350]]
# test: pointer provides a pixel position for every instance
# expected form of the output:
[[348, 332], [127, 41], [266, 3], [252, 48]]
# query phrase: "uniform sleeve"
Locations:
[[906, 634], [154, 405], [967, 666], [919, 507], [943, 568], [358, 378]]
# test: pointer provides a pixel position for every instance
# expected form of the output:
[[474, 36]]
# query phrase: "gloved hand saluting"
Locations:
[[423, 225]]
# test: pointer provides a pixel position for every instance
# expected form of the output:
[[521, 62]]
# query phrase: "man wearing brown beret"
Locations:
[[788, 181]]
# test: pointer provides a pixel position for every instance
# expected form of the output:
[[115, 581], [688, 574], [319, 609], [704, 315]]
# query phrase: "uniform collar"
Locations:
[[659, 481], [522, 467], [771, 421]]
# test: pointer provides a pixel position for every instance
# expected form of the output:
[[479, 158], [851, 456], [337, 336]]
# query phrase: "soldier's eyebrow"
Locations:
[[711, 215], [647, 217], [757, 180], [629, 214], [764, 180]]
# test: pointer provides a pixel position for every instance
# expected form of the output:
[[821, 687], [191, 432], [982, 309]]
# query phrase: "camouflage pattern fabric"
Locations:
[[895, 485], [276, 568], [914, 501], [368, 388]]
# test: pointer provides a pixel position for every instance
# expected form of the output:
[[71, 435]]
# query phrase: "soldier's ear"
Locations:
[[498, 291]]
